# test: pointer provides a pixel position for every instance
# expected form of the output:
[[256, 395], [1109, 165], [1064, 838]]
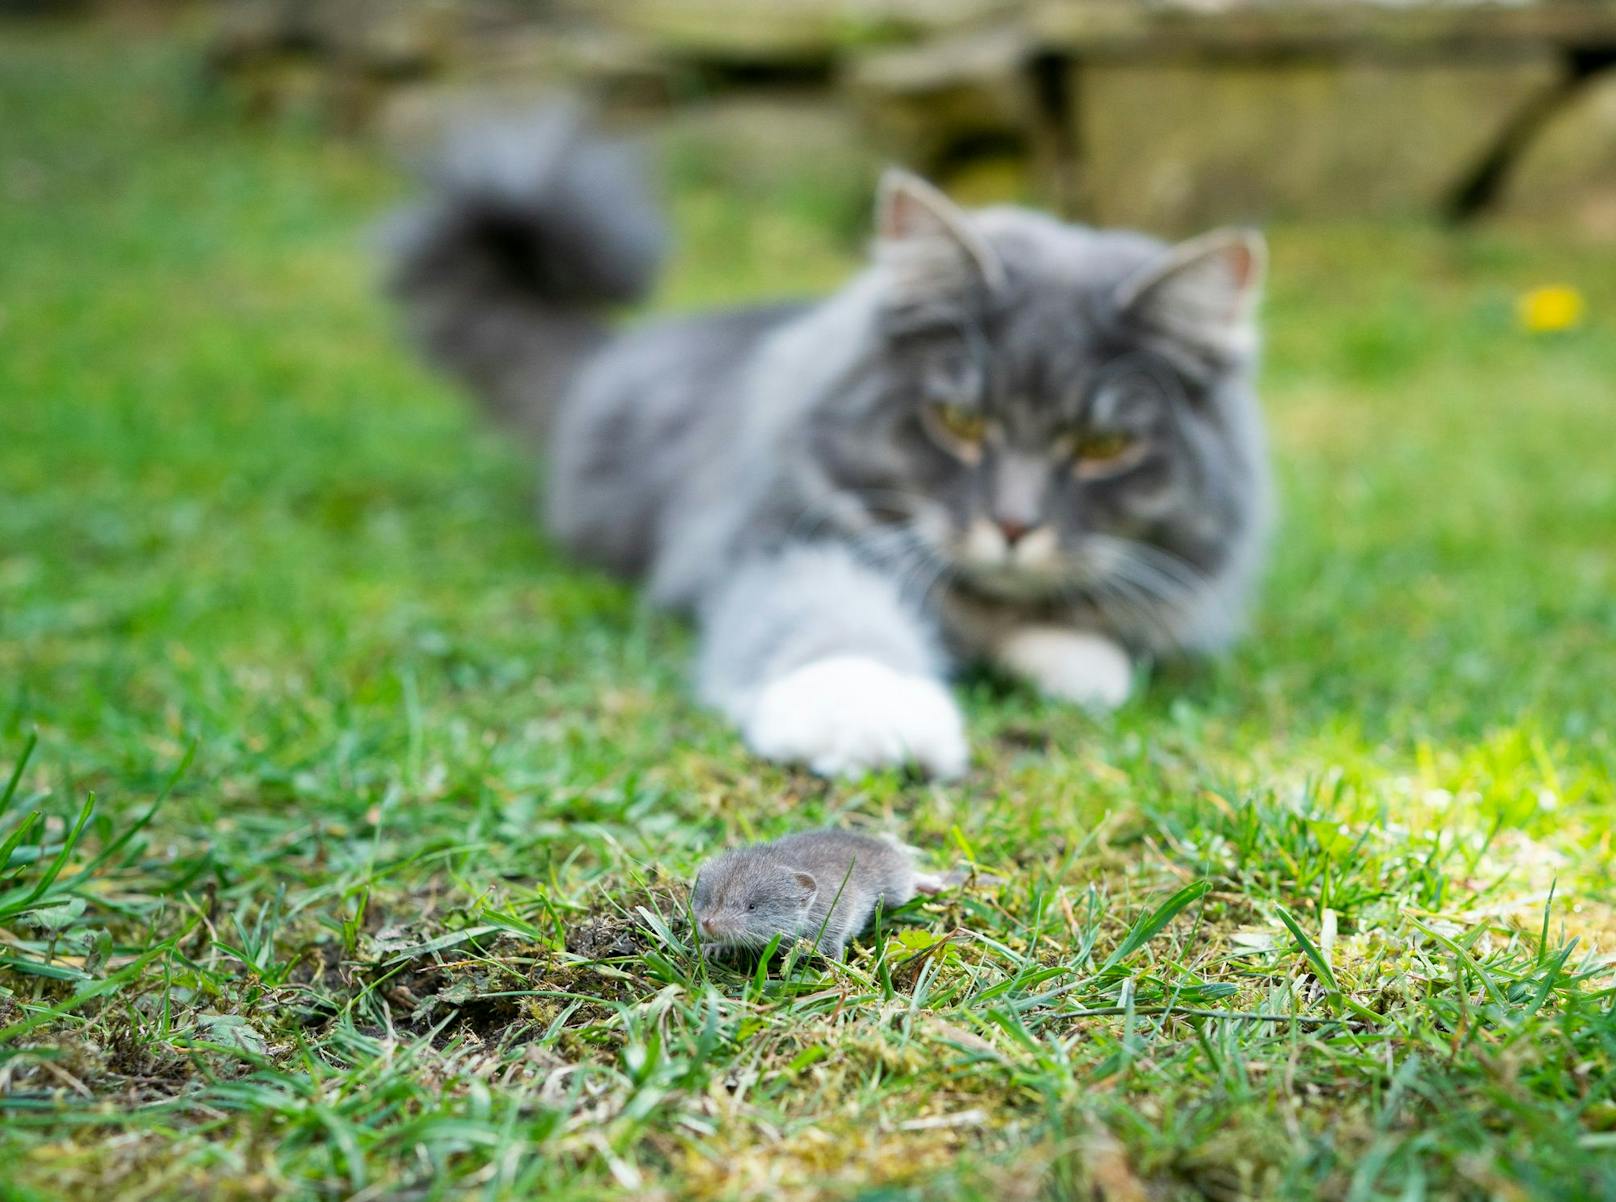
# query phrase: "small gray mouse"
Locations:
[[795, 887]]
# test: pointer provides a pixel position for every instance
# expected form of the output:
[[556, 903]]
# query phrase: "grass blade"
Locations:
[[1150, 926], [1321, 967], [16, 772]]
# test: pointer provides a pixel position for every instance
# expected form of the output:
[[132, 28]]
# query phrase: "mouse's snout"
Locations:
[[708, 926]]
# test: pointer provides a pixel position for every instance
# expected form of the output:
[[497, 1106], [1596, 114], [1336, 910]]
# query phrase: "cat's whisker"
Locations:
[[1147, 596], [1116, 605], [1142, 608], [1180, 578], [1149, 583], [1168, 585], [940, 571], [918, 572], [1191, 578], [1202, 592]]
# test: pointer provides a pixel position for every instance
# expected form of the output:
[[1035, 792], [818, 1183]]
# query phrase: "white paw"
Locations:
[[848, 714], [1070, 665]]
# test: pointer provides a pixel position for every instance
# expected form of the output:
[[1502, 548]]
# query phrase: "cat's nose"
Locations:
[[1012, 529]]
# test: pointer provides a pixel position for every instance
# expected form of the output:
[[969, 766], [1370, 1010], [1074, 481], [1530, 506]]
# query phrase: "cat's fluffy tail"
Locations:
[[534, 227]]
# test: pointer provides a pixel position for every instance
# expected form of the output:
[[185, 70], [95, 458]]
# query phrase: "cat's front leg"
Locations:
[[1068, 664], [820, 661], [844, 715]]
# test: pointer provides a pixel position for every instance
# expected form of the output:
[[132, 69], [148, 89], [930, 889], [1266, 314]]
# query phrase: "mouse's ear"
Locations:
[[807, 886]]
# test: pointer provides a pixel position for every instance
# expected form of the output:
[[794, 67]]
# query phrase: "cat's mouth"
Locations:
[[1011, 583], [1030, 565]]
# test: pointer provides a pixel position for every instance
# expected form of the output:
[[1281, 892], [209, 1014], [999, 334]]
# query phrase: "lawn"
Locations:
[[364, 818]]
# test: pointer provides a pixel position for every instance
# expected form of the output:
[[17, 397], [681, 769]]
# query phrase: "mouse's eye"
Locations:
[[751, 905]]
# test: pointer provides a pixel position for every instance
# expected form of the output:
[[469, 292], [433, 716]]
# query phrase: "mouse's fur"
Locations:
[[819, 885]]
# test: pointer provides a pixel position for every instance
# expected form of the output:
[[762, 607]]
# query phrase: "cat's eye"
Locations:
[[964, 427], [1101, 450], [1103, 447]]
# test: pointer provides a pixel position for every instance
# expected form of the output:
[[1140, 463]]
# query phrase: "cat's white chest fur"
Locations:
[[847, 714]]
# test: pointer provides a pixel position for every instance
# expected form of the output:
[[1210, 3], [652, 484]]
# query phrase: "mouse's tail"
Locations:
[[533, 229], [936, 882]]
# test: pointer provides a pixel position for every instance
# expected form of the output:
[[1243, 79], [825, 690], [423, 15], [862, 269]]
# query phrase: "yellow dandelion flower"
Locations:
[[1549, 309]]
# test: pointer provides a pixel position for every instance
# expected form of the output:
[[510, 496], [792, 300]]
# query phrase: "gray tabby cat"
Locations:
[[1008, 440]]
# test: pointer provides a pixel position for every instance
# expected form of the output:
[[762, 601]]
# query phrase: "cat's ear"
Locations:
[[806, 885], [1203, 292], [925, 242]]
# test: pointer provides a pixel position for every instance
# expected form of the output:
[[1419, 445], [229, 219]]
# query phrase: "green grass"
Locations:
[[363, 818]]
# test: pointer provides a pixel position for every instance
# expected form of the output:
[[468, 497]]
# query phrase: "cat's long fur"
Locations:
[[777, 471]]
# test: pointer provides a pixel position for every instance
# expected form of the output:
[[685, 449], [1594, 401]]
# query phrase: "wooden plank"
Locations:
[[1107, 28]]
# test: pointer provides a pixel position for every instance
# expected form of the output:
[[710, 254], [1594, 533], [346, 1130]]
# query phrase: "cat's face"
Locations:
[[1031, 460], [1053, 411]]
